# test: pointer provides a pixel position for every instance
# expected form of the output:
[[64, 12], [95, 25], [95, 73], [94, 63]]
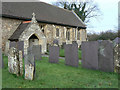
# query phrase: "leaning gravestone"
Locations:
[[90, 55], [53, 54], [13, 44], [36, 50], [19, 45], [29, 65], [71, 54], [14, 61], [105, 55]]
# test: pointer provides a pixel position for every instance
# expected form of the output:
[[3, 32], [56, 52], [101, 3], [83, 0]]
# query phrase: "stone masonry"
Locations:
[[48, 30]]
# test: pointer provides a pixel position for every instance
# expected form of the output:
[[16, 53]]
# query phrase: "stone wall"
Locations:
[[10, 25]]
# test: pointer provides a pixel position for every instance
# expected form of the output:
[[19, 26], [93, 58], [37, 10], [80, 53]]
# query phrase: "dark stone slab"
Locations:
[[1, 59], [13, 44], [29, 58], [55, 41], [90, 55], [37, 52], [53, 54], [71, 55], [29, 63], [20, 46], [106, 62]]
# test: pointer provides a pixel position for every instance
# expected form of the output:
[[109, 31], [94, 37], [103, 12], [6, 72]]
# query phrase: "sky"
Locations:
[[108, 20]]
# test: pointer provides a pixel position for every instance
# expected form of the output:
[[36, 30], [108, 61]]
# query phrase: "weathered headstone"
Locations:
[[20, 46], [55, 42], [6, 48], [105, 55], [53, 54], [13, 44], [90, 55], [71, 54], [36, 50], [13, 61], [21, 63], [116, 58], [29, 64]]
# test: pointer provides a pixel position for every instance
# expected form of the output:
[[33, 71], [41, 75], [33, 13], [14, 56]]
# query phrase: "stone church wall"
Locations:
[[10, 25]]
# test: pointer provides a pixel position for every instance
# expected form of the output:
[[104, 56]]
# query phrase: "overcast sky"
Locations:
[[107, 21]]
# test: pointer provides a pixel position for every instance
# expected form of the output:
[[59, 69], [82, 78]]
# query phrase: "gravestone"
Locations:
[[36, 49], [105, 55], [13, 61], [53, 54], [21, 63], [6, 48], [19, 45], [116, 58], [29, 65], [90, 54], [71, 54], [13, 44]]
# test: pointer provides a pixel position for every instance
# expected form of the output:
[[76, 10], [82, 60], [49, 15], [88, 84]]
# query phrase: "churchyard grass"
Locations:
[[50, 75]]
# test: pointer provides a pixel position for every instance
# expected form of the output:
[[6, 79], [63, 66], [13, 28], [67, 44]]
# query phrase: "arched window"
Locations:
[[57, 32]]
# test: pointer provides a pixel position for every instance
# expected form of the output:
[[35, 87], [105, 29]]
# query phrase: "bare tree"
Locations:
[[85, 9]]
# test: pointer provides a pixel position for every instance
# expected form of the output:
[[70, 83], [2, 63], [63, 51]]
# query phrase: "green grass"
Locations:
[[62, 53], [60, 76]]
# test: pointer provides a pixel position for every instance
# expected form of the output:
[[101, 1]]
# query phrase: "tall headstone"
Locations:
[[105, 55], [71, 54], [13, 61], [13, 44], [29, 64], [53, 54], [116, 58], [21, 63], [90, 55], [20, 46], [37, 52]]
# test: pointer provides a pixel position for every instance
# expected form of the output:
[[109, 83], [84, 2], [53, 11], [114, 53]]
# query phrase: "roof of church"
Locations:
[[45, 13], [15, 36]]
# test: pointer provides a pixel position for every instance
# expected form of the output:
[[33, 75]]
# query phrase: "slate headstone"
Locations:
[[37, 52], [106, 62], [71, 54], [53, 54], [29, 64], [13, 44], [90, 55], [20, 46]]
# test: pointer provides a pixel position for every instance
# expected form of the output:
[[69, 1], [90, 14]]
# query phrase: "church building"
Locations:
[[39, 23]]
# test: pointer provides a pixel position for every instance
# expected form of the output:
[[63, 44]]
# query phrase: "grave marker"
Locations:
[[53, 54], [71, 54]]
